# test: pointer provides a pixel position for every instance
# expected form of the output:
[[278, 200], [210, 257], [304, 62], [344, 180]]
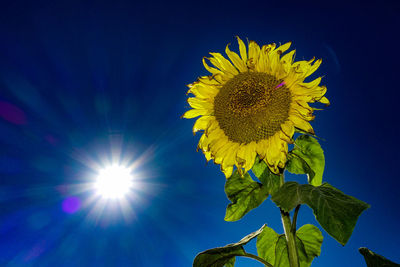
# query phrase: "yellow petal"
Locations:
[[282, 48], [195, 113], [273, 150], [236, 60], [201, 123], [198, 103], [227, 171], [218, 144], [272, 168], [211, 69], [254, 52], [240, 159], [250, 155], [314, 67], [207, 154], [230, 157], [304, 111], [287, 61], [202, 90], [262, 60], [222, 153], [223, 64], [246, 155], [300, 92], [301, 123], [262, 148], [312, 84], [215, 135], [288, 129], [209, 80], [285, 138], [242, 49], [203, 145], [324, 100]]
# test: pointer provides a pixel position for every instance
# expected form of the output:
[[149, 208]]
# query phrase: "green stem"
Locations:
[[290, 234], [248, 255], [294, 222]]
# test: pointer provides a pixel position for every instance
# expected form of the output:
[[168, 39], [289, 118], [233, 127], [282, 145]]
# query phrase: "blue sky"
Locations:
[[81, 81]]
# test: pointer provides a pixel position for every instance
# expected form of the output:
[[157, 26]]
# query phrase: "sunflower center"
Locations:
[[252, 106]]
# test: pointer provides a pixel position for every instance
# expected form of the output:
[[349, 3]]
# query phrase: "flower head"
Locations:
[[251, 104]]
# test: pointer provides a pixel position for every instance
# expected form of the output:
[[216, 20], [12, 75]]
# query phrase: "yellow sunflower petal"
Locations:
[[203, 143], [227, 171], [193, 113], [325, 101], [314, 67], [243, 50], [211, 69], [312, 84], [235, 60], [198, 103], [262, 148], [273, 150], [208, 80], [301, 123], [285, 138], [281, 49], [249, 155], [202, 123], [219, 146], [223, 64], [203, 90], [286, 63], [288, 128], [254, 52], [222, 153], [230, 159]]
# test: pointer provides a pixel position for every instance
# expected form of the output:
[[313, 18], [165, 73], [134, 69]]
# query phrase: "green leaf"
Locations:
[[272, 247], [231, 262], [307, 157], [245, 195], [269, 180], [266, 243], [309, 241], [281, 252], [218, 257], [335, 211], [375, 260]]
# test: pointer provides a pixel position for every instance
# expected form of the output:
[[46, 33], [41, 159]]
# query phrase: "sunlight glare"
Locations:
[[114, 182]]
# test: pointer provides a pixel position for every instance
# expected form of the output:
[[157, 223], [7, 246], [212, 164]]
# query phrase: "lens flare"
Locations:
[[114, 182]]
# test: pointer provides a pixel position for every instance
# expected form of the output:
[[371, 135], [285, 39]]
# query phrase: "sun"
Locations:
[[114, 182]]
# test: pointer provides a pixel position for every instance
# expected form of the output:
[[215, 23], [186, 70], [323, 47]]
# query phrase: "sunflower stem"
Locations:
[[294, 221], [290, 234]]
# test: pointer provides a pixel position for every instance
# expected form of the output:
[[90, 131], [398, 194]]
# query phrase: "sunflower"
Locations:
[[251, 105]]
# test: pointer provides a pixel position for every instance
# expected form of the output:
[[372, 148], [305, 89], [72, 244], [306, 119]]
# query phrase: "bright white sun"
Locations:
[[114, 182]]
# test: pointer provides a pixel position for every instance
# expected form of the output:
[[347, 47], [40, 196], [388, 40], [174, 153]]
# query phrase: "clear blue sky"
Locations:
[[80, 79]]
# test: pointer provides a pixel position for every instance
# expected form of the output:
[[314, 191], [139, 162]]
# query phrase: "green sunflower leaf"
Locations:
[[375, 260], [335, 211], [269, 180], [231, 262], [307, 157], [309, 241], [245, 195], [272, 247], [266, 244], [218, 257], [281, 252]]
